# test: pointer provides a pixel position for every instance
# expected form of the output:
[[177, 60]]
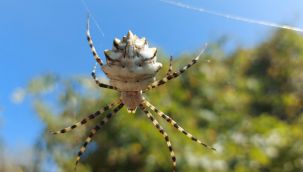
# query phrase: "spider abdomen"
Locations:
[[131, 64]]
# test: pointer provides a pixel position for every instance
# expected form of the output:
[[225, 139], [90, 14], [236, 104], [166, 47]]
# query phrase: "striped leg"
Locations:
[[91, 45], [164, 134], [84, 120], [94, 130], [170, 69], [174, 123], [100, 84], [175, 74]]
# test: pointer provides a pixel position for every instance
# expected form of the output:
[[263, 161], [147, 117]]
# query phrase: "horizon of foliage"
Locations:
[[248, 105]]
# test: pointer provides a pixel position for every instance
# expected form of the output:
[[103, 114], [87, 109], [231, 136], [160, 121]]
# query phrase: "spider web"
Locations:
[[92, 16], [232, 17]]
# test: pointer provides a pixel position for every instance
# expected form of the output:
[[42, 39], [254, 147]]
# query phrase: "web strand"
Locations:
[[232, 17], [93, 18]]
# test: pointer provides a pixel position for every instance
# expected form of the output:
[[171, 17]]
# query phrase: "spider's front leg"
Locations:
[[164, 134], [174, 123], [84, 120], [94, 130], [175, 74]]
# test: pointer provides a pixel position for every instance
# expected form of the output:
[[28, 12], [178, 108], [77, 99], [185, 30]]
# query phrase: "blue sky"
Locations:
[[42, 36]]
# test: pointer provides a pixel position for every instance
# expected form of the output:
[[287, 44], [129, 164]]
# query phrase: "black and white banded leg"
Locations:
[[170, 69], [94, 130], [86, 119], [175, 74], [100, 84], [174, 123], [91, 45], [164, 134]]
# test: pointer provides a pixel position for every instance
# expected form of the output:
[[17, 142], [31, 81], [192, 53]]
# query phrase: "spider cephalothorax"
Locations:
[[131, 67]]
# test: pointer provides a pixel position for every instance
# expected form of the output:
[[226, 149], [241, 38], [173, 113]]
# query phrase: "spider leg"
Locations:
[[84, 120], [164, 134], [91, 44], [174, 123], [100, 84], [170, 69], [175, 74], [94, 131]]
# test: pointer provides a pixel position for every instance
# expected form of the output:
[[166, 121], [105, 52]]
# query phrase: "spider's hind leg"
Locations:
[[175, 74], [170, 68], [174, 123], [84, 120], [161, 130], [91, 44], [94, 130], [100, 84]]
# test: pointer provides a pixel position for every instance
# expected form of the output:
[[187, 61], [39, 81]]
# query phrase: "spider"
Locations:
[[131, 66]]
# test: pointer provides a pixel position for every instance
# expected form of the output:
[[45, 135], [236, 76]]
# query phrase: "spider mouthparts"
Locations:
[[131, 110]]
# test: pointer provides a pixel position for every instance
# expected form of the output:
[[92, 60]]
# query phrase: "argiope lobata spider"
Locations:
[[131, 67]]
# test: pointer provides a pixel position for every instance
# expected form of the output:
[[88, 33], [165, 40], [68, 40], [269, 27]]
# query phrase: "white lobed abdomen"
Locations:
[[131, 64]]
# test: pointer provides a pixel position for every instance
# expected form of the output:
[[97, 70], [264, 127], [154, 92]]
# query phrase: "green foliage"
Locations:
[[247, 105]]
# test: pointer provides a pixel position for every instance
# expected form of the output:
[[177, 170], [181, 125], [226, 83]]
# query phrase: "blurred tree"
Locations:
[[249, 105], [11, 163]]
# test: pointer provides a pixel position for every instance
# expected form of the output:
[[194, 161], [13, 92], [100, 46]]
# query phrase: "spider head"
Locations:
[[131, 61]]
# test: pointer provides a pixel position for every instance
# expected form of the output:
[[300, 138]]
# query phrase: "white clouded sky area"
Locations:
[[38, 37], [18, 95]]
